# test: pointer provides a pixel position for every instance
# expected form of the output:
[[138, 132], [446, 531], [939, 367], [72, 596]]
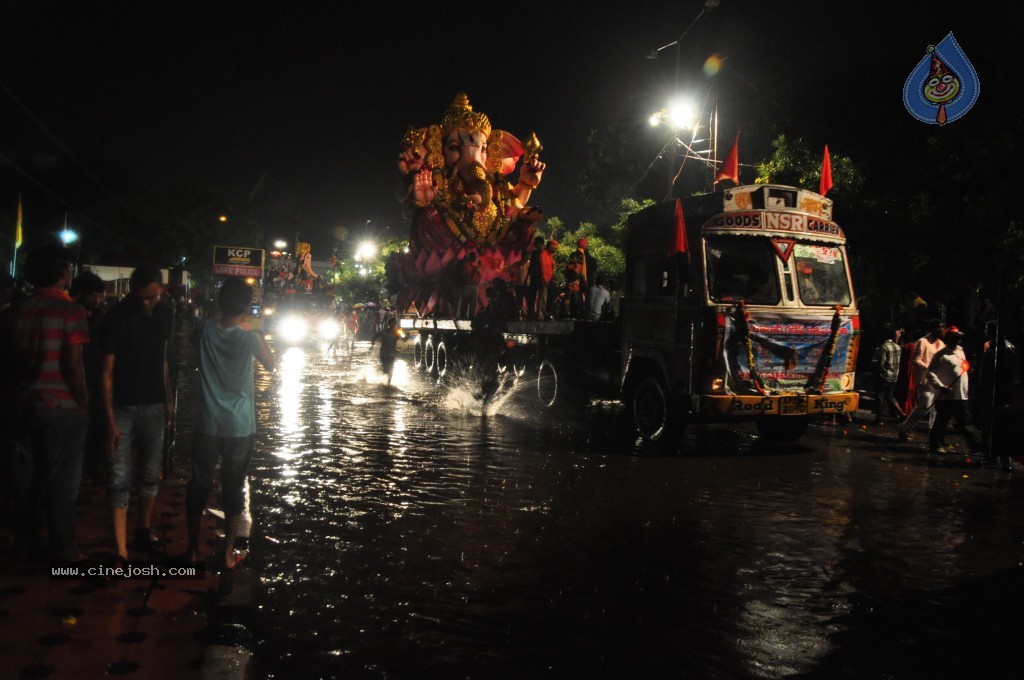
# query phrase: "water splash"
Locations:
[[467, 396], [943, 86]]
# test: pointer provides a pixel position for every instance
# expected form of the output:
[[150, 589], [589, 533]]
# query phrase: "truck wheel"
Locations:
[[547, 384], [418, 353], [651, 409], [782, 429], [441, 359], [429, 356]]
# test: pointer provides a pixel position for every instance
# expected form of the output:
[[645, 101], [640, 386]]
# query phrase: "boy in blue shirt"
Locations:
[[227, 422]]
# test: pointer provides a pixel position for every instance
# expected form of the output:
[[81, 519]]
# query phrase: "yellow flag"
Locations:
[[17, 229]]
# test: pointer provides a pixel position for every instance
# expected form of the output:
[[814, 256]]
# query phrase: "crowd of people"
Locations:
[[929, 371], [89, 390], [530, 294]]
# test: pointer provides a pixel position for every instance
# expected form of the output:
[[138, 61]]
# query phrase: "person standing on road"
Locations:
[[947, 375], [89, 291], [388, 336], [45, 405], [924, 349], [998, 379], [887, 366], [227, 417], [137, 401]]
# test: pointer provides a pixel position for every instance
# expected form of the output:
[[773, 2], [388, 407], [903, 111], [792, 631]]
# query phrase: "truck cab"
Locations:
[[738, 305]]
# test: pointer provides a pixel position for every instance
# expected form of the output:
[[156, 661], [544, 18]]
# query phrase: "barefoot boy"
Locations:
[[227, 415]]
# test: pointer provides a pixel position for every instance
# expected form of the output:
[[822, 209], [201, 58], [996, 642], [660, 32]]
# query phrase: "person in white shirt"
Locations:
[[597, 298], [948, 375]]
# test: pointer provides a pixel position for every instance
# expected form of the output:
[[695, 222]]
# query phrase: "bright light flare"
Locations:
[[293, 329], [328, 329], [713, 65], [682, 114], [367, 250]]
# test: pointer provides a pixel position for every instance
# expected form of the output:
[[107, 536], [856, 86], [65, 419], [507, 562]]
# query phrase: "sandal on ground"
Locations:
[[146, 539], [237, 558]]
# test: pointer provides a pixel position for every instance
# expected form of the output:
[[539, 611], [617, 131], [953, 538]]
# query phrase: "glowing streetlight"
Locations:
[[68, 236], [681, 114], [280, 244], [367, 250]]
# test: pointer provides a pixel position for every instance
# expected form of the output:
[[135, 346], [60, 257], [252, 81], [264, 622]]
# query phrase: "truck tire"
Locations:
[[429, 356], [782, 429], [547, 384], [441, 359], [650, 408], [418, 353]]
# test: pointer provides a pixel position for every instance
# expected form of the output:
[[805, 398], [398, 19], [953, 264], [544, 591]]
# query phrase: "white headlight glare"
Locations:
[[328, 329], [293, 328]]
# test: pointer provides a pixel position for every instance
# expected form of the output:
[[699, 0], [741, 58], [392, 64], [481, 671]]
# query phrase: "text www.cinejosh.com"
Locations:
[[128, 570]]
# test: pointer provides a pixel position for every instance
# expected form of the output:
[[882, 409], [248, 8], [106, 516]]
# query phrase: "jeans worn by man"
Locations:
[[137, 402]]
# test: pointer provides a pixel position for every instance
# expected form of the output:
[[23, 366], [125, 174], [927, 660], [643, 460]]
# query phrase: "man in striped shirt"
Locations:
[[45, 380]]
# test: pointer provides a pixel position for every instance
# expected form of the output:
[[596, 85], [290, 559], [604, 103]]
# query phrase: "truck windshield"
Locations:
[[742, 268], [821, 274]]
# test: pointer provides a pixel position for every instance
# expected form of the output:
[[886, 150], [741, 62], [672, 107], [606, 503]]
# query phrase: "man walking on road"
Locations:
[[227, 428], [947, 375], [924, 349], [137, 400]]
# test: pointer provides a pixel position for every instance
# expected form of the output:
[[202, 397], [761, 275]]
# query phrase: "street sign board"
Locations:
[[238, 261]]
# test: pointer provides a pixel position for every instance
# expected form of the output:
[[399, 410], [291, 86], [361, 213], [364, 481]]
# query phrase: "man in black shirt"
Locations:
[[137, 400]]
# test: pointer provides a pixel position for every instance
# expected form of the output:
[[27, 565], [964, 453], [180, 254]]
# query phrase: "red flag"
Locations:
[[681, 244], [825, 183], [730, 166]]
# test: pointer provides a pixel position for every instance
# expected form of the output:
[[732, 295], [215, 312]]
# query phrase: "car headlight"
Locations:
[[293, 328], [328, 329], [268, 311]]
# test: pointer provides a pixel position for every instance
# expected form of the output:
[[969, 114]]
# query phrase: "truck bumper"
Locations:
[[779, 404]]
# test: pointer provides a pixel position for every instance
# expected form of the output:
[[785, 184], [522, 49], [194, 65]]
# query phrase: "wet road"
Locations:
[[401, 534]]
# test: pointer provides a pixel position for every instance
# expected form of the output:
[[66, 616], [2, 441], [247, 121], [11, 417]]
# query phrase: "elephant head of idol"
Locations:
[[469, 160]]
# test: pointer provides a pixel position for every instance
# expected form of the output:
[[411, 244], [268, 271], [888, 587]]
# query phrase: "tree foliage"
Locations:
[[794, 163]]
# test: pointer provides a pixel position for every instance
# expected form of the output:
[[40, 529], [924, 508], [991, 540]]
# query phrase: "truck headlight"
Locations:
[[293, 328]]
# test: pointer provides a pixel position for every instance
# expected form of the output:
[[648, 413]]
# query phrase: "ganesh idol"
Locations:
[[452, 182]]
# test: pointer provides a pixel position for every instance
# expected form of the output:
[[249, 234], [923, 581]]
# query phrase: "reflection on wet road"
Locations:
[[401, 534]]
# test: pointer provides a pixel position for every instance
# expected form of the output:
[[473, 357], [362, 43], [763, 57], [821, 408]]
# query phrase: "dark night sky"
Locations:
[[305, 108]]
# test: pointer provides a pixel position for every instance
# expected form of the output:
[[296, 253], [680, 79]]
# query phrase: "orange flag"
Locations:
[[825, 183], [682, 246], [17, 227], [730, 166]]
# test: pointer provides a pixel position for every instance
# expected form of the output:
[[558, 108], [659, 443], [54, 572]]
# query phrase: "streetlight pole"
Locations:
[[67, 237]]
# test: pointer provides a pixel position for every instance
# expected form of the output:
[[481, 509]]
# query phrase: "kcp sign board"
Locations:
[[237, 261]]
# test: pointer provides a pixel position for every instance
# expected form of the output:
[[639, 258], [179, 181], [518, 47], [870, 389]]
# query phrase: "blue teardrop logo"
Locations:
[[943, 86]]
